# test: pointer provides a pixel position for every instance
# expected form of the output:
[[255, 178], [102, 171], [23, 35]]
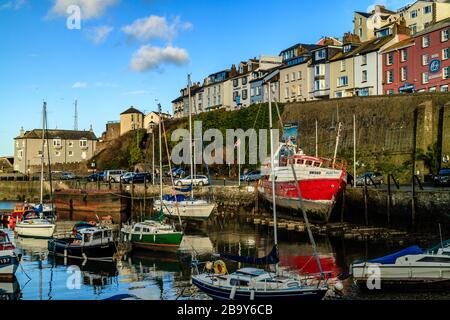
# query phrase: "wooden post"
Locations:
[[132, 196], [366, 216], [414, 142]]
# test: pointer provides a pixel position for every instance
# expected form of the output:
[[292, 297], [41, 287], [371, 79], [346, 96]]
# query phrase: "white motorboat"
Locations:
[[185, 208], [35, 227], [411, 266], [9, 261]]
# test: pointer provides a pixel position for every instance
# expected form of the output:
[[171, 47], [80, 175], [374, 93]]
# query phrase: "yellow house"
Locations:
[[342, 68], [131, 119]]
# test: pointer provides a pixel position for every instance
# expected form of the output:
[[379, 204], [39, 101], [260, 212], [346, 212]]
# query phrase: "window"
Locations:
[[425, 60], [287, 93], [321, 54], [343, 65], [413, 14], [347, 48], [342, 81], [425, 77], [58, 154], [432, 89], [244, 94], [360, 32], [293, 76], [293, 91], [444, 88], [445, 73], [235, 82], [317, 85], [287, 78], [404, 55], [390, 76], [364, 59], [426, 41], [338, 94], [445, 54], [70, 144], [244, 80], [390, 91], [20, 154], [317, 70], [299, 75], [427, 10], [70, 153], [389, 59], [299, 90], [83, 143], [364, 76], [56, 143], [404, 73], [413, 28], [444, 35], [252, 92], [258, 91]]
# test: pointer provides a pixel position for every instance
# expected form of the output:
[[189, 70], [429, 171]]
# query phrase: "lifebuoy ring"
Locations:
[[220, 267]]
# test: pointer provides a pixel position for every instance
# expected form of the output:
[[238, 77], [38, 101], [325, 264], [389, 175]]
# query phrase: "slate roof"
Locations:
[[365, 47], [131, 110], [401, 44], [434, 27], [364, 14], [59, 134]]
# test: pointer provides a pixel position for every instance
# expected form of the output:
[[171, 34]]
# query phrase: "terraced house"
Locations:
[[319, 73], [294, 75], [65, 146], [217, 92]]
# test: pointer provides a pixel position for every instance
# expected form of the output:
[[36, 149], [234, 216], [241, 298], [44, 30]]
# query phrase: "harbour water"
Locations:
[[151, 276]]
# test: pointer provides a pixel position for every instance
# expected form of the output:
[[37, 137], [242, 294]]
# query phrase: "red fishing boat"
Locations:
[[322, 181]]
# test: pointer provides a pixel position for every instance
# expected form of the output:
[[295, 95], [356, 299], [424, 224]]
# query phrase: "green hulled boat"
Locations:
[[153, 235]]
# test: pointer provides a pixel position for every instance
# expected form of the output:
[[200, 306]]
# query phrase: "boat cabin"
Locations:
[[94, 237], [308, 161], [5, 243]]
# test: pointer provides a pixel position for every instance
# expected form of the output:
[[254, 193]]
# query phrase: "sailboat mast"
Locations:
[[190, 136], [272, 166], [160, 159], [44, 112]]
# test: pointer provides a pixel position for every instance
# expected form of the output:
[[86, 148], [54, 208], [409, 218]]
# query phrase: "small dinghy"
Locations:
[[89, 242], [9, 261], [411, 266]]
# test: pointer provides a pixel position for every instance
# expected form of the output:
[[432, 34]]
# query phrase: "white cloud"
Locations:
[[13, 5], [79, 85], [150, 58], [155, 27], [99, 34], [89, 8]]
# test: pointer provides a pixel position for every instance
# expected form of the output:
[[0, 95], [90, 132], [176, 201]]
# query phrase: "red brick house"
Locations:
[[419, 64]]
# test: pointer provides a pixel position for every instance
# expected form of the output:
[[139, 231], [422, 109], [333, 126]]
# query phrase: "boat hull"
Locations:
[[392, 277], [187, 210], [35, 231], [8, 267], [163, 242], [60, 247], [222, 293]]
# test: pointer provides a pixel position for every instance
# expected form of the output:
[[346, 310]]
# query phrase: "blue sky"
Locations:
[[132, 52]]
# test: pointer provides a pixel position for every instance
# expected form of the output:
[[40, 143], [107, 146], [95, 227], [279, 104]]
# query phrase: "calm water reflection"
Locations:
[[152, 276]]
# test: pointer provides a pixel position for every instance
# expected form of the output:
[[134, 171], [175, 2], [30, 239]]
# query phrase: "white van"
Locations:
[[113, 175]]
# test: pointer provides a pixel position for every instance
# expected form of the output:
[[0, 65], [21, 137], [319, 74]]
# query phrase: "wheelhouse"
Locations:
[[95, 236]]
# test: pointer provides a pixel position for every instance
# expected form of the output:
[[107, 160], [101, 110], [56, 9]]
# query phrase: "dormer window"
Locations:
[[83, 143], [321, 54], [347, 48], [57, 143]]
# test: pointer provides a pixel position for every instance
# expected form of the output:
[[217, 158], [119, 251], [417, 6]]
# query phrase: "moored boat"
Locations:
[[9, 261], [185, 208], [90, 242], [322, 181], [412, 267], [34, 225]]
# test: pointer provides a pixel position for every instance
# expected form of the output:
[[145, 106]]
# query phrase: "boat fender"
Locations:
[[209, 265], [220, 267], [233, 293], [338, 287]]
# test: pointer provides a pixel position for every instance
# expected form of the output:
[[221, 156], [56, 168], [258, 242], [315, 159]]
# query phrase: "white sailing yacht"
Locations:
[[34, 223], [188, 208], [255, 283]]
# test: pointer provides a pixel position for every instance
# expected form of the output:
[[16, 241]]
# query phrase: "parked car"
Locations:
[[443, 178], [67, 176], [198, 180], [98, 176], [376, 177], [136, 177], [251, 176], [113, 175], [175, 173]]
